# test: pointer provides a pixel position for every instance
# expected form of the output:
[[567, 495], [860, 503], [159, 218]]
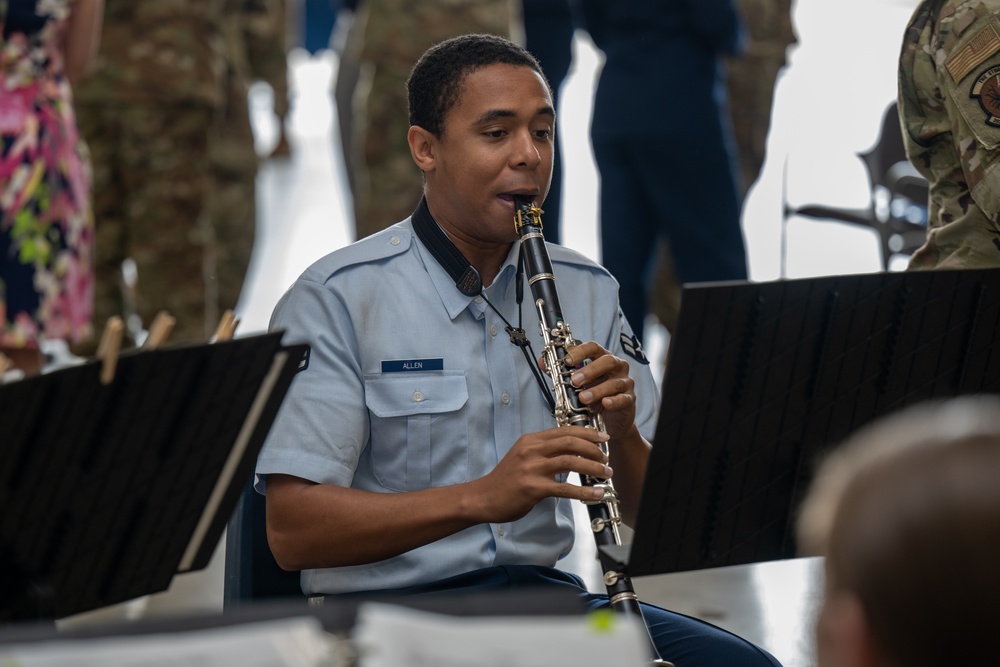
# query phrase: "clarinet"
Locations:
[[605, 516]]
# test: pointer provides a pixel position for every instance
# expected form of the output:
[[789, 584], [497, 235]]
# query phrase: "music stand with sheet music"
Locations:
[[109, 490], [762, 378]]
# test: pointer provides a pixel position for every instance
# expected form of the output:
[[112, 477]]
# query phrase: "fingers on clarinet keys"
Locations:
[[602, 493]]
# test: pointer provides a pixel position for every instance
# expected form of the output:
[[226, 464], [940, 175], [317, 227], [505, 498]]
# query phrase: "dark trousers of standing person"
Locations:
[[665, 158]]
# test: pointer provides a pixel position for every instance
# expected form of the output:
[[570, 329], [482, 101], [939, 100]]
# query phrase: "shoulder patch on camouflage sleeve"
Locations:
[[976, 95], [986, 89], [981, 46]]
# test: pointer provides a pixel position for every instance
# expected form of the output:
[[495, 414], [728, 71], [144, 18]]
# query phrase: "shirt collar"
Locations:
[[453, 299]]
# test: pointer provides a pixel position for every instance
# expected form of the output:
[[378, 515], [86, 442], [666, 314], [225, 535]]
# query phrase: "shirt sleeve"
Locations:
[[317, 434]]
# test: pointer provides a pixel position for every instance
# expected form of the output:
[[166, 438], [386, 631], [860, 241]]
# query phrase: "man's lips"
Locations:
[[508, 198]]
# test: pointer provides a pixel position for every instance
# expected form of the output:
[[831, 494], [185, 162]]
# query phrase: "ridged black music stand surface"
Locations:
[[763, 378], [109, 490]]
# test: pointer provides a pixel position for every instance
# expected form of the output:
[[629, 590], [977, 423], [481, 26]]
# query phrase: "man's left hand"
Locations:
[[604, 383]]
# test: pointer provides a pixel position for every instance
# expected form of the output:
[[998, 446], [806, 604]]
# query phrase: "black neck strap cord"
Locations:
[[470, 283]]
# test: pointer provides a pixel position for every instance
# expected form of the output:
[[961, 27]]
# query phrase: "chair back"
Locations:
[[897, 208], [252, 574]]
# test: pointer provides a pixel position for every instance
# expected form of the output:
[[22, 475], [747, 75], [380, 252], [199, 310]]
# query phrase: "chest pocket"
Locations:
[[419, 432]]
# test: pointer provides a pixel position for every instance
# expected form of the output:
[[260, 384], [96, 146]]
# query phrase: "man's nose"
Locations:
[[525, 153]]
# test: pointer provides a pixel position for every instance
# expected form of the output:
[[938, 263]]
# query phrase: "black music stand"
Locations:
[[109, 490], [763, 378]]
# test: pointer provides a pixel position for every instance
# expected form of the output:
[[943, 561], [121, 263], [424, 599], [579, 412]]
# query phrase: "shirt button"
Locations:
[[500, 530], [479, 299], [418, 396], [394, 240], [493, 330], [505, 398]]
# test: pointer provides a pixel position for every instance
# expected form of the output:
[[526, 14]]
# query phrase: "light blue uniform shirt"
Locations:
[[410, 384]]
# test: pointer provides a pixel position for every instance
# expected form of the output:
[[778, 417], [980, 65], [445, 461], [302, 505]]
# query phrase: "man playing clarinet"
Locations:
[[416, 451]]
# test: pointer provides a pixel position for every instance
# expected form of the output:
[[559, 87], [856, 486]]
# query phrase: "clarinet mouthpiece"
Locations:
[[526, 213]]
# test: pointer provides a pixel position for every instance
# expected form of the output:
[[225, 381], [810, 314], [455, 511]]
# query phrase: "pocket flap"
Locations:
[[400, 394]]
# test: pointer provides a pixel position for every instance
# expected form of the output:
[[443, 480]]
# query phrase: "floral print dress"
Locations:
[[46, 226]]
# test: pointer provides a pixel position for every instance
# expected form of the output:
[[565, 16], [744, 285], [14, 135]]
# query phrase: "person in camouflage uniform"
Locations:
[[256, 50], [949, 107], [751, 77], [265, 32], [395, 34], [149, 110]]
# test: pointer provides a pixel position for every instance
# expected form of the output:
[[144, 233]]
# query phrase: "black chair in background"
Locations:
[[897, 207], [252, 575]]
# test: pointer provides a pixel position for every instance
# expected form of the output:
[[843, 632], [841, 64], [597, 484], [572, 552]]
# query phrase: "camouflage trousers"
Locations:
[[155, 195]]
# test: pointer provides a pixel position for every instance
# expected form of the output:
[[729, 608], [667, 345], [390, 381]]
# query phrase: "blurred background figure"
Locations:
[[346, 42], [46, 227], [663, 143], [750, 82], [907, 514], [751, 77], [316, 21], [388, 37], [256, 50], [267, 35], [549, 26], [151, 109]]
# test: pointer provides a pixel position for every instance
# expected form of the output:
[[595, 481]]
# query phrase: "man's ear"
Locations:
[[422, 147], [843, 636]]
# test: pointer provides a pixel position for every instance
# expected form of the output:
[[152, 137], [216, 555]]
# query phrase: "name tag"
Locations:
[[406, 365]]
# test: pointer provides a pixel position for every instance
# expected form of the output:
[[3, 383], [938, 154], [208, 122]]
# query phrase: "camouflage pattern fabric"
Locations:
[[751, 78], [158, 51], [171, 190], [949, 105], [256, 50], [265, 45], [150, 187], [396, 33]]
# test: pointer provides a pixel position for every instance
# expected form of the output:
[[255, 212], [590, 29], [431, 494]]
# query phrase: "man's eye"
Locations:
[[495, 134], [543, 134]]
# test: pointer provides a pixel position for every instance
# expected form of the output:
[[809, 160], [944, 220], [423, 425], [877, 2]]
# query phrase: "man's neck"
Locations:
[[487, 258]]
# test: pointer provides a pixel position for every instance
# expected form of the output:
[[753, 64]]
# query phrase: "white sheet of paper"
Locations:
[[294, 642], [389, 636]]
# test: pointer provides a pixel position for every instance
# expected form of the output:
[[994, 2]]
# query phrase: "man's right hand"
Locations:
[[312, 525], [528, 473]]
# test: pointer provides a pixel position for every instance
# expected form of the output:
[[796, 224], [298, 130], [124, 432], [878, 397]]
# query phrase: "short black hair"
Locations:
[[436, 79]]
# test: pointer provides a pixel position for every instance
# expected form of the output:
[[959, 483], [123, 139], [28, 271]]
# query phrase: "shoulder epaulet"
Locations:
[[563, 255], [379, 246]]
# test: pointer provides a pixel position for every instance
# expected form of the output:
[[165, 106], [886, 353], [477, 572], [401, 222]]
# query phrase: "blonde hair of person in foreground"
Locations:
[[907, 516]]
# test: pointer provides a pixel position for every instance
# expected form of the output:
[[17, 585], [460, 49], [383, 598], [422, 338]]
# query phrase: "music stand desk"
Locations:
[[109, 490], [763, 378]]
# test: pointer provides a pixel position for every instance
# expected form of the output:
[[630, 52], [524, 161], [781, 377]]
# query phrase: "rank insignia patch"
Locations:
[[633, 348]]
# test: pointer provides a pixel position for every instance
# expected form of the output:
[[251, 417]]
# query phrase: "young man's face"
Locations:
[[497, 141]]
